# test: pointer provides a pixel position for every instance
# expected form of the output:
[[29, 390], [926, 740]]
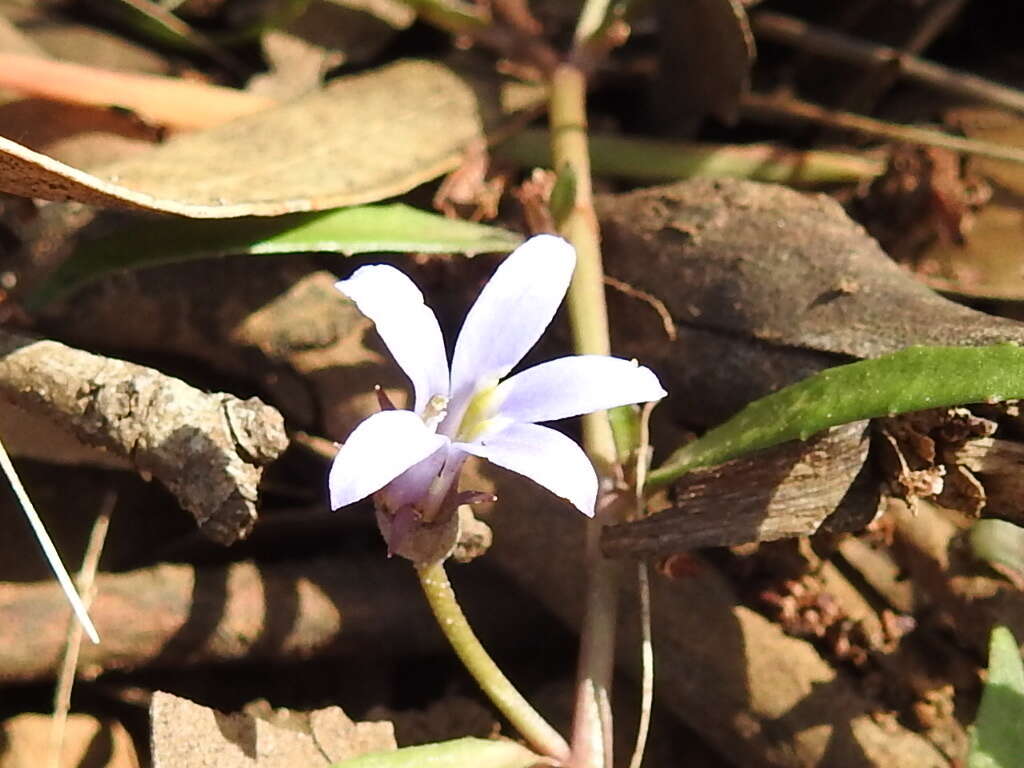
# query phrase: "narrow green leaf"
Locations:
[[563, 194], [998, 542], [997, 738], [909, 380], [458, 753], [359, 229]]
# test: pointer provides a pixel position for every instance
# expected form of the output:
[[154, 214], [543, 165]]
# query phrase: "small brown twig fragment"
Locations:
[[835, 45], [207, 448], [759, 104], [648, 298]]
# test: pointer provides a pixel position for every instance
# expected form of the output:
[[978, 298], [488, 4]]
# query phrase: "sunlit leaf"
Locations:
[[997, 738], [458, 753], [909, 380], [392, 228], [363, 138]]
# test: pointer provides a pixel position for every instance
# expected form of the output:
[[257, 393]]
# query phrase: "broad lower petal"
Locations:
[[408, 326], [511, 313], [547, 457], [380, 449], [572, 386]]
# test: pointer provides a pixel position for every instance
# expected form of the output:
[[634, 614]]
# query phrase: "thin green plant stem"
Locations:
[[588, 316], [499, 689]]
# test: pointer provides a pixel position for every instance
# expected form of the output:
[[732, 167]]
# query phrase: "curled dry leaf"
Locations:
[[363, 138]]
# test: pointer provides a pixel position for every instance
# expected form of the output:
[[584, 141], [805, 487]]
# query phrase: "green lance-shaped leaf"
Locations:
[[997, 738], [909, 380], [458, 753], [359, 229]]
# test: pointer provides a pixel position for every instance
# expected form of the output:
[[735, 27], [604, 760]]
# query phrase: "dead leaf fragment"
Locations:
[[361, 139], [707, 53], [185, 733], [26, 740]]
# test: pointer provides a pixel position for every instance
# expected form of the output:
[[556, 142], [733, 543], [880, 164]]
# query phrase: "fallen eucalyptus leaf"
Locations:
[[362, 138], [349, 231], [997, 740], [765, 286], [910, 380]]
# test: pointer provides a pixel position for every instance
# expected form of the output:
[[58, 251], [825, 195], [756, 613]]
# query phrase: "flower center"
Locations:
[[479, 417], [435, 411]]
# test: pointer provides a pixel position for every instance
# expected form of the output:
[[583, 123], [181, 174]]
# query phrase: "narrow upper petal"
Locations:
[[572, 386], [511, 313], [547, 457], [380, 449], [408, 326]]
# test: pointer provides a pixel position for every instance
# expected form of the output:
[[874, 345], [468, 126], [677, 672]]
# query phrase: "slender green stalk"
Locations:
[[591, 737], [534, 728]]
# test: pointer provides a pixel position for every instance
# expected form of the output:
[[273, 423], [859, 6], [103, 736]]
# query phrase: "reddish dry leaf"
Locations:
[[170, 101]]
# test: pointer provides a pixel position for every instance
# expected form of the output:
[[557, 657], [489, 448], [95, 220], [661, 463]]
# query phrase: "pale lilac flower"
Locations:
[[411, 459]]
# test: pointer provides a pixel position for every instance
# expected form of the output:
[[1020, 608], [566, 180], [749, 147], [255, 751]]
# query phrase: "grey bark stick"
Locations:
[[207, 448]]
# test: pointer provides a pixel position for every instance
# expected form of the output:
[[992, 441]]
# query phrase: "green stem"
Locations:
[[591, 737], [534, 728]]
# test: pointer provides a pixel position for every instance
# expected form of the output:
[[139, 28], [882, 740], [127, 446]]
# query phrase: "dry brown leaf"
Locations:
[[26, 740], [988, 264], [707, 53], [1000, 127], [361, 139], [185, 733]]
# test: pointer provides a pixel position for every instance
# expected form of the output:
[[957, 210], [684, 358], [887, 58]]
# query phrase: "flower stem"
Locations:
[[588, 315], [534, 728]]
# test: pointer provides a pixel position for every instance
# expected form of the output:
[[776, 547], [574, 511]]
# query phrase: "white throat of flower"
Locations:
[[477, 417]]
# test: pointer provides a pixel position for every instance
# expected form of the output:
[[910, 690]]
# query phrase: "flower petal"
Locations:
[[511, 313], [572, 386], [380, 449], [547, 457], [408, 327]]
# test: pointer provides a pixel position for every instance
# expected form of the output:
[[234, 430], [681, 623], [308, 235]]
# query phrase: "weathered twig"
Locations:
[[791, 490], [755, 104], [876, 80], [835, 45], [171, 616], [208, 449]]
